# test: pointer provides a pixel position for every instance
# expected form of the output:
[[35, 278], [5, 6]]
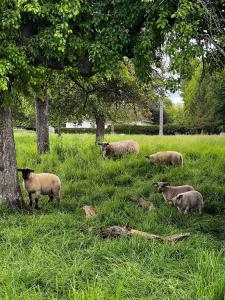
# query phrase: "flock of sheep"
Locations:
[[184, 197]]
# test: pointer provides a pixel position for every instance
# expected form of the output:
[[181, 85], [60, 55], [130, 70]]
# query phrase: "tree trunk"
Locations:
[[59, 128], [100, 128], [112, 129], [161, 117], [10, 191], [42, 130]]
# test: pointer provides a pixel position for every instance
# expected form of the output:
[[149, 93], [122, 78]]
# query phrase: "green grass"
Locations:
[[57, 254]]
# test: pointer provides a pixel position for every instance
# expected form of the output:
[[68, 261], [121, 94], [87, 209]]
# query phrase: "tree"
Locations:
[[66, 100], [203, 98], [176, 114]]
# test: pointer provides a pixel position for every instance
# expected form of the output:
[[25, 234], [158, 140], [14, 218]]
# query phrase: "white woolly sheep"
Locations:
[[168, 157], [117, 149], [188, 201], [170, 192], [41, 184]]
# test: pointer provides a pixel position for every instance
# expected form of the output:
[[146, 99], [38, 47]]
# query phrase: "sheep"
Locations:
[[41, 184], [170, 192], [168, 157], [188, 200], [117, 149]]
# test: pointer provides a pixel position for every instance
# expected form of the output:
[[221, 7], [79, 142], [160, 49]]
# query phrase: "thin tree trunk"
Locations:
[[10, 191], [100, 128], [161, 116], [59, 128], [42, 130], [112, 129]]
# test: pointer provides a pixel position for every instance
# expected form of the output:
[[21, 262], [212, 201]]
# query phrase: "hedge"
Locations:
[[168, 129]]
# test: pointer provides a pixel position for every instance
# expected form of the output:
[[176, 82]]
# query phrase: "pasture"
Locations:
[[56, 253]]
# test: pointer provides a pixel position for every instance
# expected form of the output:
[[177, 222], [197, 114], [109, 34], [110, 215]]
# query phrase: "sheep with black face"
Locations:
[[41, 184]]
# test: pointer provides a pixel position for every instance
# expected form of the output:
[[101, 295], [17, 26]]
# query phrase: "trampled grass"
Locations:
[[56, 254]]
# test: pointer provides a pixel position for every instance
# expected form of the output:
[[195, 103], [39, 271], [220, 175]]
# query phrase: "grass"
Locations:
[[52, 254]]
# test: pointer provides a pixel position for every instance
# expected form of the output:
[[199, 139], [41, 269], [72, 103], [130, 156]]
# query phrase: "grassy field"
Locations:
[[56, 254]]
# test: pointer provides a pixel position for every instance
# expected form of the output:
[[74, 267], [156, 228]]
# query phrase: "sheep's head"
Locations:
[[25, 172], [161, 186], [103, 148], [150, 158], [177, 199]]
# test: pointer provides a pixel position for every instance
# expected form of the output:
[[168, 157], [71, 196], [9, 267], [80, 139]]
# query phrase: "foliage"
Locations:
[[203, 97], [176, 115], [169, 129], [55, 254], [23, 110]]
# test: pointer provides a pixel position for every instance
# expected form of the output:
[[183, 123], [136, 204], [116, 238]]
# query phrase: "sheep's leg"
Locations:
[[37, 196], [180, 210], [186, 210], [30, 197], [50, 198], [36, 203], [57, 197]]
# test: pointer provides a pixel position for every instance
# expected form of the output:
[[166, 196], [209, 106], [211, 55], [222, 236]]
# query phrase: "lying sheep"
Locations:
[[188, 201], [168, 157], [117, 149], [41, 184], [170, 192]]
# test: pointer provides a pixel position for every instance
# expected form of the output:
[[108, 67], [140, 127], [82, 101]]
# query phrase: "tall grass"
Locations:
[[57, 254]]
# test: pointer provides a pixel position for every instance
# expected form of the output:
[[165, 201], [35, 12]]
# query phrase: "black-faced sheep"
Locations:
[[41, 184], [191, 200], [170, 192], [168, 157], [118, 149]]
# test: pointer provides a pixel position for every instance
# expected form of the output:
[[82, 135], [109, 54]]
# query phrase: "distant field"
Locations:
[[53, 254]]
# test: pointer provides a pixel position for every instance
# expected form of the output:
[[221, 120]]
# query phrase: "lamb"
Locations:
[[117, 149], [168, 157], [170, 192], [188, 201], [41, 184]]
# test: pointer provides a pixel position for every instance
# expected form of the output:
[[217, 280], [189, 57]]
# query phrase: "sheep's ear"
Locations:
[[20, 170], [180, 196], [166, 183], [30, 170], [147, 156], [100, 144]]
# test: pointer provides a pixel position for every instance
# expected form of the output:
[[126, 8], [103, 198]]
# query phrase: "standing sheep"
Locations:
[[41, 184], [188, 201], [170, 192], [118, 149], [168, 157]]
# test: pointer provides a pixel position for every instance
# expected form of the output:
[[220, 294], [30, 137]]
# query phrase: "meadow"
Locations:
[[56, 253]]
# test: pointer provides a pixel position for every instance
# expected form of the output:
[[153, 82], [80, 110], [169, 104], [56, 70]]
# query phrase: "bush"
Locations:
[[169, 129]]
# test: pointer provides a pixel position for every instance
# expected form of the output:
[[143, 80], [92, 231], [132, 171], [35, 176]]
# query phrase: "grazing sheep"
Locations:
[[168, 157], [117, 149], [170, 192], [187, 201], [41, 184]]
